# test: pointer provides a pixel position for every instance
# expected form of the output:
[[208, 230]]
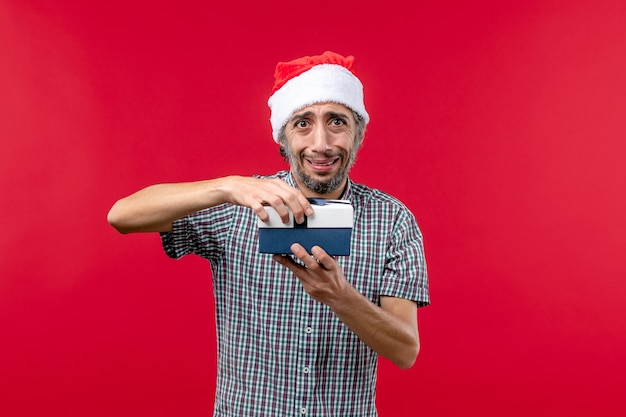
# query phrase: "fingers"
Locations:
[[258, 193], [290, 199], [286, 261], [321, 277], [283, 198], [318, 259], [323, 258], [260, 211]]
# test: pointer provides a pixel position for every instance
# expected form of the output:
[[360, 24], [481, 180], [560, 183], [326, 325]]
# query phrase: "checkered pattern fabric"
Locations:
[[280, 352]]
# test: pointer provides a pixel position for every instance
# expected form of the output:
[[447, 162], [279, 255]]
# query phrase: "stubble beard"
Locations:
[[318, 186]]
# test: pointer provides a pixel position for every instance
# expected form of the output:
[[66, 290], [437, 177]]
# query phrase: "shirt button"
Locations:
[[303, 410], [305, 370], [309, 330]]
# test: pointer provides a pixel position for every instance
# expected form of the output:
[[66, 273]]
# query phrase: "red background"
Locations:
[[502, 126]]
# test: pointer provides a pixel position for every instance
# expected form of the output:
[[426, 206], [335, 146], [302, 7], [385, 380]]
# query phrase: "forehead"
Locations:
[[324, 108]]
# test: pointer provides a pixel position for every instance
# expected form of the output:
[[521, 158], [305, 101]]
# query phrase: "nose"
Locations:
[[320, 139]]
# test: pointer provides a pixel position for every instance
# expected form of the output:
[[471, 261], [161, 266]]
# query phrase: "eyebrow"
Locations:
[[301, 115], [309, 113]]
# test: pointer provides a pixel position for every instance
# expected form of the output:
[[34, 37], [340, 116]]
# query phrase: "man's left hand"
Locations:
[[320, 274]]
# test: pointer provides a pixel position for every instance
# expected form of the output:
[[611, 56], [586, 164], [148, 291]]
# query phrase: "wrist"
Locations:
[[345, 299], [223, 189]]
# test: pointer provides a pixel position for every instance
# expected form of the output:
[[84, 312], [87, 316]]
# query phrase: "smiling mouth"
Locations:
[[322, 164]]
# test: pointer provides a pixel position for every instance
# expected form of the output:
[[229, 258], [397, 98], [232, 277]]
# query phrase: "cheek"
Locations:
[[346, 146], [344, 140], [296, 145], [293, 154]]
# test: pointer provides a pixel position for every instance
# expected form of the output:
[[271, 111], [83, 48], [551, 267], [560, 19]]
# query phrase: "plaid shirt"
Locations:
[[280, 352]]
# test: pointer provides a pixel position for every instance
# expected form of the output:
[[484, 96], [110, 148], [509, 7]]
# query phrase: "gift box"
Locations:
[[330, 227]]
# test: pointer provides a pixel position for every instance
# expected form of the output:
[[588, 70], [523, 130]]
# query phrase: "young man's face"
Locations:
[[320, 148]]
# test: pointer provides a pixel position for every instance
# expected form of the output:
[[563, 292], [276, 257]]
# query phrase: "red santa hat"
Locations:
[[314, 79]]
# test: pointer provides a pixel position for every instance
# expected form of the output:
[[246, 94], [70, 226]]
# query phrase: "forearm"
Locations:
[[389, 329], [392, 334], [154, 208]]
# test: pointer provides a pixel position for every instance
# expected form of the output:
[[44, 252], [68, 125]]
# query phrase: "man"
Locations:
[[298, 334]]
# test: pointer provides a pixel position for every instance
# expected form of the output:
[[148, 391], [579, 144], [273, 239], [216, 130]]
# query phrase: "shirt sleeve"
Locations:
[[202, 233], [405, 273]]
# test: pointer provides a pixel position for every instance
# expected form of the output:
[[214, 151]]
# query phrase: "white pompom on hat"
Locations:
[[314, 79]]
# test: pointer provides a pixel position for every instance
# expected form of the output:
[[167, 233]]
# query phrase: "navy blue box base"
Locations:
[[335, 241]]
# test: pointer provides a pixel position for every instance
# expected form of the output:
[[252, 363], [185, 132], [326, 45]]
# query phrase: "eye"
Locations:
[[301, 123], [338, 122]]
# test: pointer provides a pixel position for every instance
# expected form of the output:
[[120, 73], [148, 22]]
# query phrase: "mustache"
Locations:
[[322, 155]]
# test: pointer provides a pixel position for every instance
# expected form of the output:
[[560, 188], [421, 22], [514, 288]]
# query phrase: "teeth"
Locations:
[[323, 164]]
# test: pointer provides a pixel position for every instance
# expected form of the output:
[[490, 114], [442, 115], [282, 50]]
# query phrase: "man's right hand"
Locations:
[[257, 193]]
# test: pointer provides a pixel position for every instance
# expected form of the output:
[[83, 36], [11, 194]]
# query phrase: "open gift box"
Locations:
[[330, 227]]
